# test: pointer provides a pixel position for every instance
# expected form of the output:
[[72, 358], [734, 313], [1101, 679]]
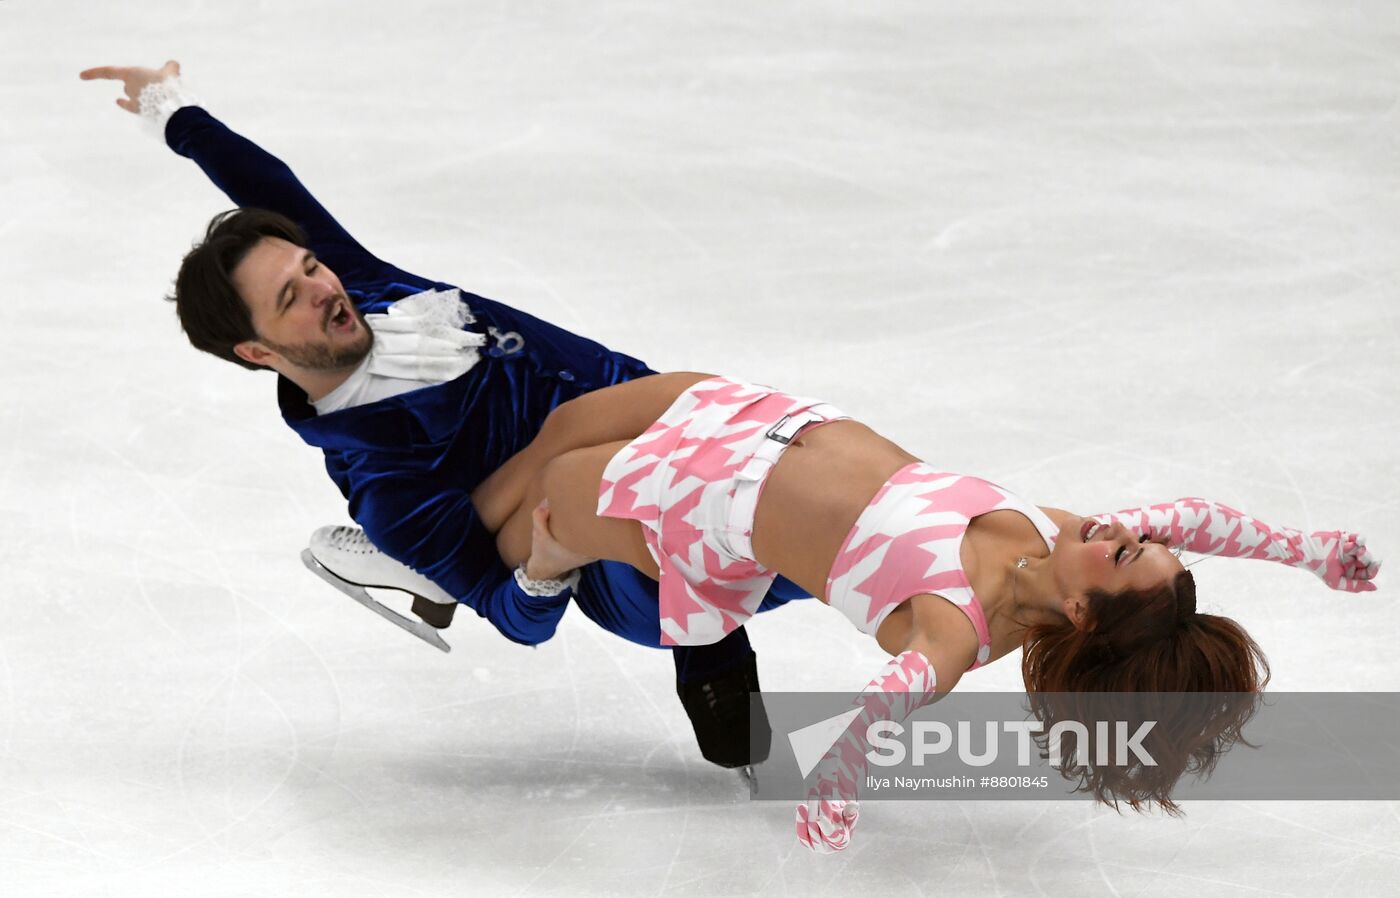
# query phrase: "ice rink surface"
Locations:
[[1104, 254]]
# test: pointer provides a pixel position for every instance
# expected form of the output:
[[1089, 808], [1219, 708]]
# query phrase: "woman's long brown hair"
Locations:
[[1199, 676]]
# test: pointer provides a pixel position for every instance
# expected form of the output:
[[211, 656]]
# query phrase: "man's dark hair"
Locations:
[[212, 314]]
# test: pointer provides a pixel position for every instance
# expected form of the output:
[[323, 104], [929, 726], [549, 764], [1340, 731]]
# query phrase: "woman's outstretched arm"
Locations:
[[1338, 557], [927, 669]]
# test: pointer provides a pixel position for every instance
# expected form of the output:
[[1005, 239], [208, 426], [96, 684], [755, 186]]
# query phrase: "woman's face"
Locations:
[[1109, 558]]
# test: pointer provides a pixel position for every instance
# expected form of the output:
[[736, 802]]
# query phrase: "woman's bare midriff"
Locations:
[[815, 493]]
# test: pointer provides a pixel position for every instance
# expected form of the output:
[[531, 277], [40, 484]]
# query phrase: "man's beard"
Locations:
[[325, 356]]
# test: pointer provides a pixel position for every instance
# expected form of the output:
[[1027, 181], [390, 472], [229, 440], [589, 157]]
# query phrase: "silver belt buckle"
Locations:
[[802, 420]]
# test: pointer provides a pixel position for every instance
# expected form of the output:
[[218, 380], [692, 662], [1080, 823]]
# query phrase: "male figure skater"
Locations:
[[414, 392]]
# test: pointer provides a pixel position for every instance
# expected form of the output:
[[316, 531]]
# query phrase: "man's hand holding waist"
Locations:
[[548, 559]]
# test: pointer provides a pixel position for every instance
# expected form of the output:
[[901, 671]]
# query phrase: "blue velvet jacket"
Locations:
[[407, 464]]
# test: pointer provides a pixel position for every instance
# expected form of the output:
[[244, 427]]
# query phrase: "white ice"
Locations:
[[1102, 253]]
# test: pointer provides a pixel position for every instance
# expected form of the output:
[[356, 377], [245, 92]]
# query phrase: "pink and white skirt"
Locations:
[[693, 480]]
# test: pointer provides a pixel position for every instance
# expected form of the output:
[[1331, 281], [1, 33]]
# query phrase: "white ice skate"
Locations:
[[346, 559]]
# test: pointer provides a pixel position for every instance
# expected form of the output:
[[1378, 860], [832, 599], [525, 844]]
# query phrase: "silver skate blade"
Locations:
[[360, 594]]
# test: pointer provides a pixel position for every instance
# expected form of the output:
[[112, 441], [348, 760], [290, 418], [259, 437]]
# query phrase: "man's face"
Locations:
[[301, 314]]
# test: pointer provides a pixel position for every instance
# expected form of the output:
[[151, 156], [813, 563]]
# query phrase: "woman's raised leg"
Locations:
[[570, 483]]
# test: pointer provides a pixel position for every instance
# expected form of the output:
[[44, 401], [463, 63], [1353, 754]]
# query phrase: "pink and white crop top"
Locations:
[[907, 543]]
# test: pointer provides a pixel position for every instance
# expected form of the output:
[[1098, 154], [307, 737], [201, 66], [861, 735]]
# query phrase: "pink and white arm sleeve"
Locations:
[[1338, 557], [825, 821]]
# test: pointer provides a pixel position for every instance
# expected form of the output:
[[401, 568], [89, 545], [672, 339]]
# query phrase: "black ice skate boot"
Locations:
[[719, 710]]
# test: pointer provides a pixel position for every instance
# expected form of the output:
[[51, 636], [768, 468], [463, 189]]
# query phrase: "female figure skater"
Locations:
[[714, 486]]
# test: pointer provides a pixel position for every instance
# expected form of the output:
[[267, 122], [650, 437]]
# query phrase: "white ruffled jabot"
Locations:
[[421, 338]]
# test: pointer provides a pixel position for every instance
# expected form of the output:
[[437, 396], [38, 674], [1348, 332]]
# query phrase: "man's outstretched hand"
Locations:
[[134, 79]]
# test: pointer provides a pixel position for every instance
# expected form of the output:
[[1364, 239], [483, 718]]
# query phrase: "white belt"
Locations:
[[750, 477]]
